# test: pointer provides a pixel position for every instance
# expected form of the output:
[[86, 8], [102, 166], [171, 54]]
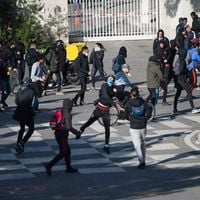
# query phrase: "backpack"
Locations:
[[56, 121], [138, 111], [116, 65], [176, 68]]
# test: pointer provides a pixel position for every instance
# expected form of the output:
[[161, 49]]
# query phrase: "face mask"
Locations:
[[86, 53], [110, 82], [97, 49]]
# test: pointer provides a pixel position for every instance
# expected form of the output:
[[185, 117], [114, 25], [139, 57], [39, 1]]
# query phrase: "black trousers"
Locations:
[[182, 84], [105, 115], [93, 73], [153, 95], [30, 124], [21, 71], [81, 92], [165, 83], [64, 149]]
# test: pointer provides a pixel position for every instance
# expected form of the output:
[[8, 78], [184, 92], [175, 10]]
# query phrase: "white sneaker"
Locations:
[[195, 110], [59, 93]]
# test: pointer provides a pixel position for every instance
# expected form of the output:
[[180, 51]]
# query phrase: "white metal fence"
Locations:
[[100, 20]]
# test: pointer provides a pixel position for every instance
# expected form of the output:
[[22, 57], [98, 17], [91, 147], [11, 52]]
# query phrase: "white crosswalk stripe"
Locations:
[[87, 154]]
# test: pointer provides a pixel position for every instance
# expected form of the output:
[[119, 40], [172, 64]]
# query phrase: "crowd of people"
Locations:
[[161, 70]]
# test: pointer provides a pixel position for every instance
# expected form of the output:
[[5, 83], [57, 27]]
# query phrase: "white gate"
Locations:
[[100, 20]]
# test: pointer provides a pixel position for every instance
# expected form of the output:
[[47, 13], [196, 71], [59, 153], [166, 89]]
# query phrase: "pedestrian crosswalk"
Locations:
[[87, 154]]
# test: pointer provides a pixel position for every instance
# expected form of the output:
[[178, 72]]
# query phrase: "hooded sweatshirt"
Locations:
[[137, 122], [67, 108]]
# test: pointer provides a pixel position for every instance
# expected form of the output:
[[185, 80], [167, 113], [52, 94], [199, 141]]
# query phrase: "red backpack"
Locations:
[[56, 121]]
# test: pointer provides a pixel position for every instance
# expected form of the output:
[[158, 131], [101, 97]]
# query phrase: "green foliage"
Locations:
[[20, 18]]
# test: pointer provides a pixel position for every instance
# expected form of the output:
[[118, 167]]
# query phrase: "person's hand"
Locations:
[[9, 69], [114, 90], [48, 71], [89, 78]]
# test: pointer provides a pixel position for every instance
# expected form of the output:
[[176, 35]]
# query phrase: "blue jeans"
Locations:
[[5, 87]]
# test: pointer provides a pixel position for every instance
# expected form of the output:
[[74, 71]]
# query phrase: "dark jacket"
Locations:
[[23, 100], [180, 38], [11, 57], [82, 65], [122, 55], [137, 122], [31, 56], [183, 65], [156, 42], [52, 60], [67, 116], [195, 24], [106, 94], [61, 57], [4, 74], [96, 58], [154, 74], [188, 40]]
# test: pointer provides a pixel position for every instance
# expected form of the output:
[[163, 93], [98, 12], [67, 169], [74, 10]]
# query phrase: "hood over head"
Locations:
[[68, 104], [123, 51], [182, 53]]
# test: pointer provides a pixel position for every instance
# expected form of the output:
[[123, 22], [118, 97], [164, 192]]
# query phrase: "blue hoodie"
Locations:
[[194, 58]]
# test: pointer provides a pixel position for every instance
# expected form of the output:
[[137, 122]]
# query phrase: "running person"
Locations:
[[103, 105]]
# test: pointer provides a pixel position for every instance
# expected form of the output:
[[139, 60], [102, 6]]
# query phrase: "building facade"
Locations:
[[100, 20]]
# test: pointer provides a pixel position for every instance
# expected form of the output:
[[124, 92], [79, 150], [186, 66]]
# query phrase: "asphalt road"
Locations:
[[172, 149]]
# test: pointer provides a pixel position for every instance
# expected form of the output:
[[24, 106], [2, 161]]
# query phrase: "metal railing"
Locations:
[[100, 20]]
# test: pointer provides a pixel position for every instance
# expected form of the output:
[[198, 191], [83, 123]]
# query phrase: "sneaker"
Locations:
[[19, 148], [44, 93], [59, 93], [82, 103], [142, 166], [74, 102], [71, 170], [36, 110], [5, 105], [48, 169], [195, 110], [81, 130], [78, 136], [164, 103], [175, 112], [106, 149]]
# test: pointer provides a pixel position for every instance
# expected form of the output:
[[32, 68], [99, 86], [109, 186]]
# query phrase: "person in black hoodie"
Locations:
[[82, 67], [61, 137], [195, 23], [31, 56], [181, 82], [4, 77], [24, 114], [96, 59], [156, 42], [137, 112], [103, 103]]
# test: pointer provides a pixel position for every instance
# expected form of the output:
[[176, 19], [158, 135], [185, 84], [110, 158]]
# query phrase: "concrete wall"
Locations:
[[170, 11]]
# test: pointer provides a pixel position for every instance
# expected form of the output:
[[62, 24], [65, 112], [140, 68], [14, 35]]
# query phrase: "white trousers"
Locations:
[[138, 138]]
